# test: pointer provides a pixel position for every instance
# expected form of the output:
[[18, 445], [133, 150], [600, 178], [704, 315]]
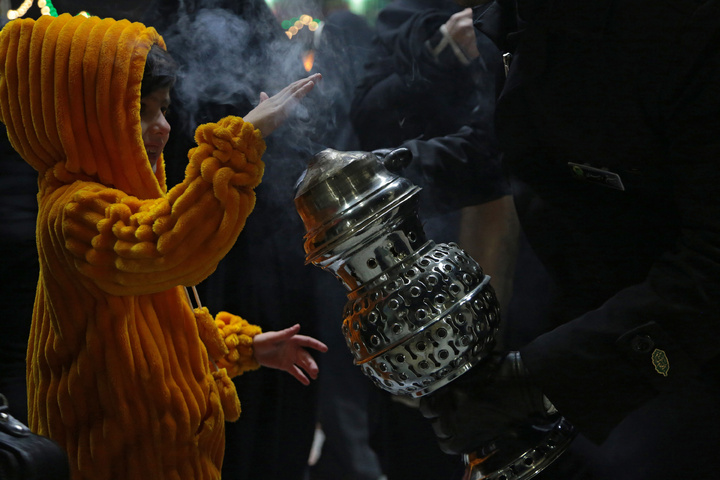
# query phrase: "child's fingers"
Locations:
[[304, 81], [295, 328], [284, 334], [303, 85], [287, 99], [310, 342], [297, 373], [307, 363], [304, 90]]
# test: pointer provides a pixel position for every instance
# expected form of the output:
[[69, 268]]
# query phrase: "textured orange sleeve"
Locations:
[[129, 246], [229, 342], [228, 339], [238, 335]]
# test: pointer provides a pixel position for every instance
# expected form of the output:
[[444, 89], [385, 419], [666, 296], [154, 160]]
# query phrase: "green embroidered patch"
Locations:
[[660, 362]]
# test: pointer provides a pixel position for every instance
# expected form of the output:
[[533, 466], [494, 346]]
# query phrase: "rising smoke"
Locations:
[[229, 55], [228, 60], [230, 51]]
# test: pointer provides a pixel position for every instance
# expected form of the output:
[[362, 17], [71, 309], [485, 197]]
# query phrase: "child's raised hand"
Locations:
[[272, 111], [285, 350]]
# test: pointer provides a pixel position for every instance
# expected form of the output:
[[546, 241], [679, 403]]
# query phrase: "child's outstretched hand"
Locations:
[[272, 111], [285, 350]]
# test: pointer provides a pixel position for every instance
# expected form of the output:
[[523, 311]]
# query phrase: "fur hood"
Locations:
[[70, 99]]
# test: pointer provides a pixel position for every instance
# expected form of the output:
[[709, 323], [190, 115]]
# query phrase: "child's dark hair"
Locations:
[[160, 71]]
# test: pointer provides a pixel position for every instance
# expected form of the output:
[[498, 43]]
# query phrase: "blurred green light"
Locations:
[[357, 6]]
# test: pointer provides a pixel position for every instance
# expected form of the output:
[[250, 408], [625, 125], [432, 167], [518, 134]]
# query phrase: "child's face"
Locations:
[[155, 128]]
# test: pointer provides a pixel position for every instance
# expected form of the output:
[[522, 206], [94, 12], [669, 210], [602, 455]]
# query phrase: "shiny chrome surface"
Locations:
[[348, 202], [541, 446], [415, 332], [419, 314]]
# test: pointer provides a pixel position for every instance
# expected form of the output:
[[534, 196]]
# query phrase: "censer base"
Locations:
[[523, 457]]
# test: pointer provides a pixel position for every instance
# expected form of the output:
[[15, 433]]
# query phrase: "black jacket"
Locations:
[[601, 92], [405, 92]]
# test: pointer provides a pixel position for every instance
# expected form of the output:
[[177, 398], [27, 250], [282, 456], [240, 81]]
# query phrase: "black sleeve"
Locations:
[[461, 169], [402, 81], [660, 334]]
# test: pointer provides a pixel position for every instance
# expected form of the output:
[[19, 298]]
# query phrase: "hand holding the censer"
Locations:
[[492, 400]]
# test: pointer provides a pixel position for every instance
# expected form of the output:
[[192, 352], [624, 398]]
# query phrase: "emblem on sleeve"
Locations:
[[599, 176], [660, 362]]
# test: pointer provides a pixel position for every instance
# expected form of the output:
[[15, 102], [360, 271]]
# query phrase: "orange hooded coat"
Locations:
[[119, 369]]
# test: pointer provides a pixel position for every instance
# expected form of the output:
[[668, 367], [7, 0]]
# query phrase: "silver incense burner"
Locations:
[[419, 314]]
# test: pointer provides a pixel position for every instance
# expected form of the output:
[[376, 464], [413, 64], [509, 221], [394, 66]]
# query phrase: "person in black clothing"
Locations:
[[609, 129], [423, 80], [419, 82]]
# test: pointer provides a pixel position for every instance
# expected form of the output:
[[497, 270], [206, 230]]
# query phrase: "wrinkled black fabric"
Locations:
[[404, 94], [629, 87], [494, 399]]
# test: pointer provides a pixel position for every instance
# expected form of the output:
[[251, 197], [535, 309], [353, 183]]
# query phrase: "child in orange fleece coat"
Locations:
[[122, 371]]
